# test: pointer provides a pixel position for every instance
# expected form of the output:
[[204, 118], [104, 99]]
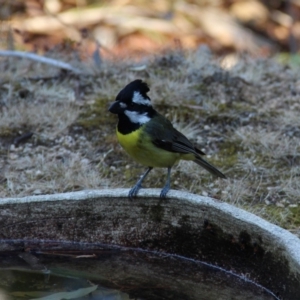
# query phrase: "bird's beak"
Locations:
[[116, 108]]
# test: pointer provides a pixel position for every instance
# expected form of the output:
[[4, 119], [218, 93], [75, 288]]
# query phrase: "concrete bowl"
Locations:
[[184, 224]]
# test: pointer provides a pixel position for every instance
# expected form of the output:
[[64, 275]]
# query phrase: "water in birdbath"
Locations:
[[96, 272]]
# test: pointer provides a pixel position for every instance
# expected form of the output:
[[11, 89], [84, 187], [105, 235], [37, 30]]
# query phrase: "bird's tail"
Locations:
[[207, 166]]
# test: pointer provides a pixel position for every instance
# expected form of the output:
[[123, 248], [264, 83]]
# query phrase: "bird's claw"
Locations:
[[133, 192], [164, 192]]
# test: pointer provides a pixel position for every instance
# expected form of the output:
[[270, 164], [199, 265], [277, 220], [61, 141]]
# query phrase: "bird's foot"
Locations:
[[164, 191], [133, 192]]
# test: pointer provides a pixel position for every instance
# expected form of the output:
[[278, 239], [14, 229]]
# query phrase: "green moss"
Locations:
[[97, 115], [293, 218], [7, 132], [129, 176], [202, 87], [228, 155], [292, 60], [286, 217]]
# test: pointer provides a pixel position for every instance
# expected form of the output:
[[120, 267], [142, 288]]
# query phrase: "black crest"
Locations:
[[137, 85]]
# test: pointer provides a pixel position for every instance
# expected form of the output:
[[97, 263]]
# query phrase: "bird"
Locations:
[[150, 138]]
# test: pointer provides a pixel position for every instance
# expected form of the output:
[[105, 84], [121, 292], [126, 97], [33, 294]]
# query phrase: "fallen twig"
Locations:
[[23, 138], [41, 59]]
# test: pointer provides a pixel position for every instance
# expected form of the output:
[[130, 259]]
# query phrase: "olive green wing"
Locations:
[[166, 137]]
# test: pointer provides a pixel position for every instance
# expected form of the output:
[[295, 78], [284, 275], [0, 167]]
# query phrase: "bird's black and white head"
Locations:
[[133, 105]]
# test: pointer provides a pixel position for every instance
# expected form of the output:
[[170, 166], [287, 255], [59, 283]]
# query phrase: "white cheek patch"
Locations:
[[122, 105], [136, 117], [139, 99]]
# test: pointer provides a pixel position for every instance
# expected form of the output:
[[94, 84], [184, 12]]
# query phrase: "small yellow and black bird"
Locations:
[[149, 138]]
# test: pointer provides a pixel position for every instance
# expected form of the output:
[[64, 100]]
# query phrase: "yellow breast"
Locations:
[[139, 146]]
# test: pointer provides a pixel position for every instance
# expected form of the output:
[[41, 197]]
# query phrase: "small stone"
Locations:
[[26, 149], [13, 156], [37, 192], [85, 161], [38, 173]]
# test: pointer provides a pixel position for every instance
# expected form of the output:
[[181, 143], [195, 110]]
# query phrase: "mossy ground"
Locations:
[[244, 117]]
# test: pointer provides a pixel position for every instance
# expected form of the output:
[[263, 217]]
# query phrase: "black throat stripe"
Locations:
[[125, 126]]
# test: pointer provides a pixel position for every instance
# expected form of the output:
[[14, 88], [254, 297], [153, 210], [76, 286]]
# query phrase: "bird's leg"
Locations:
[[133, 192], [166, 188]]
